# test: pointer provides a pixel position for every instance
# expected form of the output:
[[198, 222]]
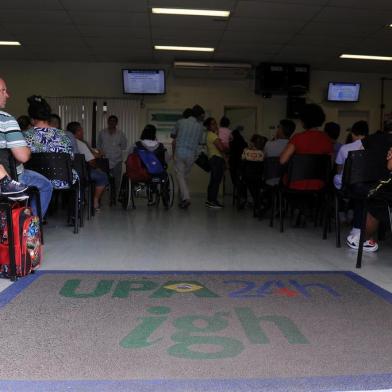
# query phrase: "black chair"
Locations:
[[58, 166], [103, 164], [364, 168], [303, 167], [86, 186]]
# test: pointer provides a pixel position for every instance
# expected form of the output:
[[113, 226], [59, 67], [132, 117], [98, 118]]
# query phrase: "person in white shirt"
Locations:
[[97, 176]]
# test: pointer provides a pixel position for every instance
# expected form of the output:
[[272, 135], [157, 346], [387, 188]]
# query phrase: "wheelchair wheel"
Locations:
[[167, 192]]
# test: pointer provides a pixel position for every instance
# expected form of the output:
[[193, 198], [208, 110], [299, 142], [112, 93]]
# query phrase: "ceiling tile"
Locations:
[[339, 29], [114, 32], [104, 5], [268, 26], [354, 16], [251, 37], [366, 4], [131, 43], [266, 10], [30, 5], [171, 34], [104, 19], [37, 17]]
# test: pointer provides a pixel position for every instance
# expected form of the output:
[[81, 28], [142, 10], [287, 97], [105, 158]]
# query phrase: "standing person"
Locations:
[[224, 132], [216, 150], [112, 142], [14, 140], [188, 135]]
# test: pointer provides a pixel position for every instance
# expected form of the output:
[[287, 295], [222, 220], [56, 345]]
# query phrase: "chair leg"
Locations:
[[76, 209], [281, 212], [325, 217], [273, 208], [390, 216], [81, 206], [337, 222], [361, 238]]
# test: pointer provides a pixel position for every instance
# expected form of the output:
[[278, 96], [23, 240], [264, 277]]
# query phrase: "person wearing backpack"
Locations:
[[152, 156]]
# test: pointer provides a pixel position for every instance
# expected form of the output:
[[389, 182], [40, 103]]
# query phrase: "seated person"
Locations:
[[377, 209], [252, 171], [97, 176], [148, 141], [358, 132], [55, 122], [332, 129], [275, 147], [310, 141], [44, 138], [9, 188], [24, 123]]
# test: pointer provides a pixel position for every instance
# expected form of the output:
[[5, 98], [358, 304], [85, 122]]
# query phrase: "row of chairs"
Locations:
[[58, 166], [361, 167]]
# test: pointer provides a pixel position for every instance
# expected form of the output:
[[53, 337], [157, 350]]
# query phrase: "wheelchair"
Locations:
[[157, 189]]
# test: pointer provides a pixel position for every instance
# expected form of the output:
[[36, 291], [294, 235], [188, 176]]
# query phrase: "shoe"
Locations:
[[218, 204], [12, 187], [368, 246], [211, 204], [17, 197], [184, 204]]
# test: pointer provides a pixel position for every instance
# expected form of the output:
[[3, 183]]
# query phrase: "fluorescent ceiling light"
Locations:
[[365, 57], [181, 11], [10, 43], [197, 64], [187, 48]]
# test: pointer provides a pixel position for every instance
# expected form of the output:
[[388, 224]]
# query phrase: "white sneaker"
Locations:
[[368, 246]]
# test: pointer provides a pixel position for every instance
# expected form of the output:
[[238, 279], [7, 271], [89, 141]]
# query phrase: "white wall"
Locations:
[[104, 80]]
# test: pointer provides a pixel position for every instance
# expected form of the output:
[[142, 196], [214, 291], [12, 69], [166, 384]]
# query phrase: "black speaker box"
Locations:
[[294, 106], [277, 78], [298, 79], [271, 78]]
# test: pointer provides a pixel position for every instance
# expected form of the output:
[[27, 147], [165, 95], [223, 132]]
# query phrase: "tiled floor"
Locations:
[[200, 239]]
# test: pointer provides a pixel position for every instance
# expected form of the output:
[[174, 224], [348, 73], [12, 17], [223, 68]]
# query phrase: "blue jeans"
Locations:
[[32, 178]]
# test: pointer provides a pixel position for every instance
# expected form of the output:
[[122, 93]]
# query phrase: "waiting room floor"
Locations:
[[150, 238]]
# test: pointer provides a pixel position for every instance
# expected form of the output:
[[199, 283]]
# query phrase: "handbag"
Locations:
[[203, 162]]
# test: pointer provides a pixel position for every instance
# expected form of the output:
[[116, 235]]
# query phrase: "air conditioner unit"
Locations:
[[195, 69]]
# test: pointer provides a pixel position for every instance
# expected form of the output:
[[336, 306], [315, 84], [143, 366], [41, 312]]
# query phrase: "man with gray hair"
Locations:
[[188, 135]]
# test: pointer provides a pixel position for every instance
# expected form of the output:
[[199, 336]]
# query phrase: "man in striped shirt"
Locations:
[[10, 138]]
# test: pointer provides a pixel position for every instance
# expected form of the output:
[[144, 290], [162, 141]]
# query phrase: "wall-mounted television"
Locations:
[[144, 81], [343, 92]]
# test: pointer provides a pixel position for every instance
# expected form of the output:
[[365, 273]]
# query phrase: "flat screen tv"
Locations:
[[144, 81], [343, 92]]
